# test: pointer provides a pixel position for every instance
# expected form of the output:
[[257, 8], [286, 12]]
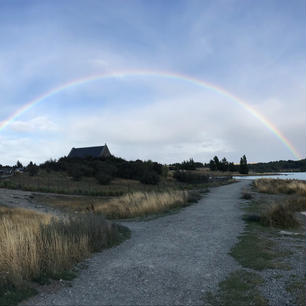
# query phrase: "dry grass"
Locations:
[[275, 186], [131, 205], [283, 214], [60, 182], [33, 244], [143, 203], [278, 215]]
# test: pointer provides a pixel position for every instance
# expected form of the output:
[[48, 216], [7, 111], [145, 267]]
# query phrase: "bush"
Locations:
[[76, 173], [278, 216], [103, 178], [188, 177], [150, 177], [246, 196], [32, 169]]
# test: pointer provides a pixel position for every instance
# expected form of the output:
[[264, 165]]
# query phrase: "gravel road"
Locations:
[[171, 260], [22, 199]]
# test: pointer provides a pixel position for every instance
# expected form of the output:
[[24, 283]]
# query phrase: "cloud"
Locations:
[[37, 124], [254, 50]]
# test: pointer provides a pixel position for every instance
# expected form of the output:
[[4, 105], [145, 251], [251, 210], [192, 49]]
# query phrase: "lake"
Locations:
[[283, 175]]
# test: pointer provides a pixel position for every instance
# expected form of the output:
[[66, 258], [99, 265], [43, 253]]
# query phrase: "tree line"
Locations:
[[223, 165]]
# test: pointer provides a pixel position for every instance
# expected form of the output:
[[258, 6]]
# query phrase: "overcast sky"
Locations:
[[253, 49]]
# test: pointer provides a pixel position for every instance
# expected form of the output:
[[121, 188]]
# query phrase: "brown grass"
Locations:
[[33, 244], [60, 182], [283, 214], [143, 203], [131, 205], [275, 186]]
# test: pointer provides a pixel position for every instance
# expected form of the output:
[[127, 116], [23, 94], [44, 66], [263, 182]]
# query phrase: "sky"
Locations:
[[252, 50]]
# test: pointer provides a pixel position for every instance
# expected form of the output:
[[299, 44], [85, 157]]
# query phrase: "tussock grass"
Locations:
[[34, 244], [138, 204], [278, 215], [276, 186], [282, 215]]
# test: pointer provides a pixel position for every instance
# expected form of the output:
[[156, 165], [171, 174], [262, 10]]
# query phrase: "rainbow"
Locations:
[[159, 74]]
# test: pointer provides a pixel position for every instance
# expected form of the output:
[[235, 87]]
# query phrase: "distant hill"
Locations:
[[280, 166]]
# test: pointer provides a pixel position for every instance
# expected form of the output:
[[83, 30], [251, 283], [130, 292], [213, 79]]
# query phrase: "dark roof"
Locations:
[[86, 152]]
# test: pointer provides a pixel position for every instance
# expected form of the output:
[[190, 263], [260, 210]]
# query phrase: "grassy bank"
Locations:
[[61, 183], [136, 204], [35, 245]]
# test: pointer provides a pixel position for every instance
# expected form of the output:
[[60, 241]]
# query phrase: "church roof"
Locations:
[[87, 152]]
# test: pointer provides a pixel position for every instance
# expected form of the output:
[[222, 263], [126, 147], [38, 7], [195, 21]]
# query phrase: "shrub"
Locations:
[[150, 177], [252, 218], [103, 178], [32, 169], [246, 196], [76, 173], [278, 216], [188, 177]]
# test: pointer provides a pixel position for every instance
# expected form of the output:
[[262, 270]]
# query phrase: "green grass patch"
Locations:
[[256, 251], [12, 296], [239, 289], [298, 289]]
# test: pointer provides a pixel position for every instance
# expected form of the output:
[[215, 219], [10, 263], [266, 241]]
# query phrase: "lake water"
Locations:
[[284, 176]]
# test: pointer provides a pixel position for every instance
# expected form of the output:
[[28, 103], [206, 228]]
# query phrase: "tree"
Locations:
[[224, 164], [32, 169], [231, 167], [243, 167], [19, 164], [217, 163], [212, 165], [188, 164]]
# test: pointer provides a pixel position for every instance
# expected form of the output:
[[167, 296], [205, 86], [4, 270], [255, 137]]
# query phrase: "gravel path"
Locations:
[[171, 260], [23, 199]]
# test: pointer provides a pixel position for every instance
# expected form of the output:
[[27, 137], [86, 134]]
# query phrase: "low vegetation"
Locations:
[[255, 251], [282, 214], [191, 177], [140, 204], [239, 289], [135, 204], [275, 186], [246, 196], [297, 287], [35, 245]]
